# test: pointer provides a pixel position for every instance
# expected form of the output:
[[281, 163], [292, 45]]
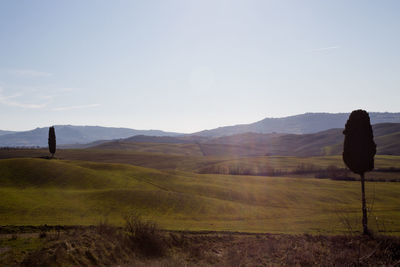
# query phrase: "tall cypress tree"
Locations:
[[52, 141], [359, 151]]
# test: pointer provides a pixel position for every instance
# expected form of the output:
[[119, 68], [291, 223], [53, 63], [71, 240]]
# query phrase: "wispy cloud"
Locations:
[[324, 49], [29, 73], [9, 101], [76, 107]]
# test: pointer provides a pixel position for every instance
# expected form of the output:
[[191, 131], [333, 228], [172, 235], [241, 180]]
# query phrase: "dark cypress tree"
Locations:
[[359, 151], [52, 141]]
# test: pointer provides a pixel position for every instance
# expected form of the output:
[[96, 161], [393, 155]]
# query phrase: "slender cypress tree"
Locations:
[[359, 151], [52, 141]]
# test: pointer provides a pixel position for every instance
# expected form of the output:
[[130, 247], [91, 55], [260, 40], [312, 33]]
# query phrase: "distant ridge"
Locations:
[[69, 134], [83, 136], [324, 143], [5, 132], [298, 124]]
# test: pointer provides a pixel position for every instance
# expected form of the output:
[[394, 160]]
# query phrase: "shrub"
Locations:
[[144, 236]]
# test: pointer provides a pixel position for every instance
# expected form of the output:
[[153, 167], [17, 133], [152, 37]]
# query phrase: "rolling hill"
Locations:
[[87, 136], [61, 192], [329, 142], [298, 124], [69, 134]]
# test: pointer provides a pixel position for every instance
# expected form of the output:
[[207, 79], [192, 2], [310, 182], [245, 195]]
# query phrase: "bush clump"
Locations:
[[144, 236]]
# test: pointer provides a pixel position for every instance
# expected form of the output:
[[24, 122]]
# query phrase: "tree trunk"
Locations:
[[364, 206]]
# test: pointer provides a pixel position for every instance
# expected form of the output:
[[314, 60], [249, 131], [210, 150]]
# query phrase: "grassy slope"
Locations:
[[209, 164], [172, 149], [144, 159], [329, 142], [260, 165], [38, 191], [386, 145], [164, 161]]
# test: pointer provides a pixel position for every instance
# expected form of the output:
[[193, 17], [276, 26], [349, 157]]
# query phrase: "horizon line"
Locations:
[[179, 132]]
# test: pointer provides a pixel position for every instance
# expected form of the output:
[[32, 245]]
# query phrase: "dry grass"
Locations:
[[144, 236], [107, 246]]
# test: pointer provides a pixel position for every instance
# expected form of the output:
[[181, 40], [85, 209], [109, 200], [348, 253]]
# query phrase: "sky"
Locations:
[[186, 65]]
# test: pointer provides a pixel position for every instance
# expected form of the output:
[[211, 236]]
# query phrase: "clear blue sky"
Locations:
[[192, 65]]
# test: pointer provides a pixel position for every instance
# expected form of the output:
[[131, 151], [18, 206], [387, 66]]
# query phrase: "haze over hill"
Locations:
[[307, 123], [69, 134], [5, 132], [329, 142], [298, 124]]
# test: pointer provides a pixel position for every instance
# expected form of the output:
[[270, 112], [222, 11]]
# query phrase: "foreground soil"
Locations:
[[109, 246]]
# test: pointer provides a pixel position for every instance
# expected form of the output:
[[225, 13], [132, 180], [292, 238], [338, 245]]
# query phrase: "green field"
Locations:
[[166, 158], [169, 191]]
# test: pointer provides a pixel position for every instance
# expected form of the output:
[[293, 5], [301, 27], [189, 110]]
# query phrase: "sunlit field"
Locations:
[[65, 192], [199, 133]]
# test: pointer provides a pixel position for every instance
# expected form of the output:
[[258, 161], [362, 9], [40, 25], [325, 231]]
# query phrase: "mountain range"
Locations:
[[325, 143], [69, 134], [5, 132], [298, 124], [308, 123]]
